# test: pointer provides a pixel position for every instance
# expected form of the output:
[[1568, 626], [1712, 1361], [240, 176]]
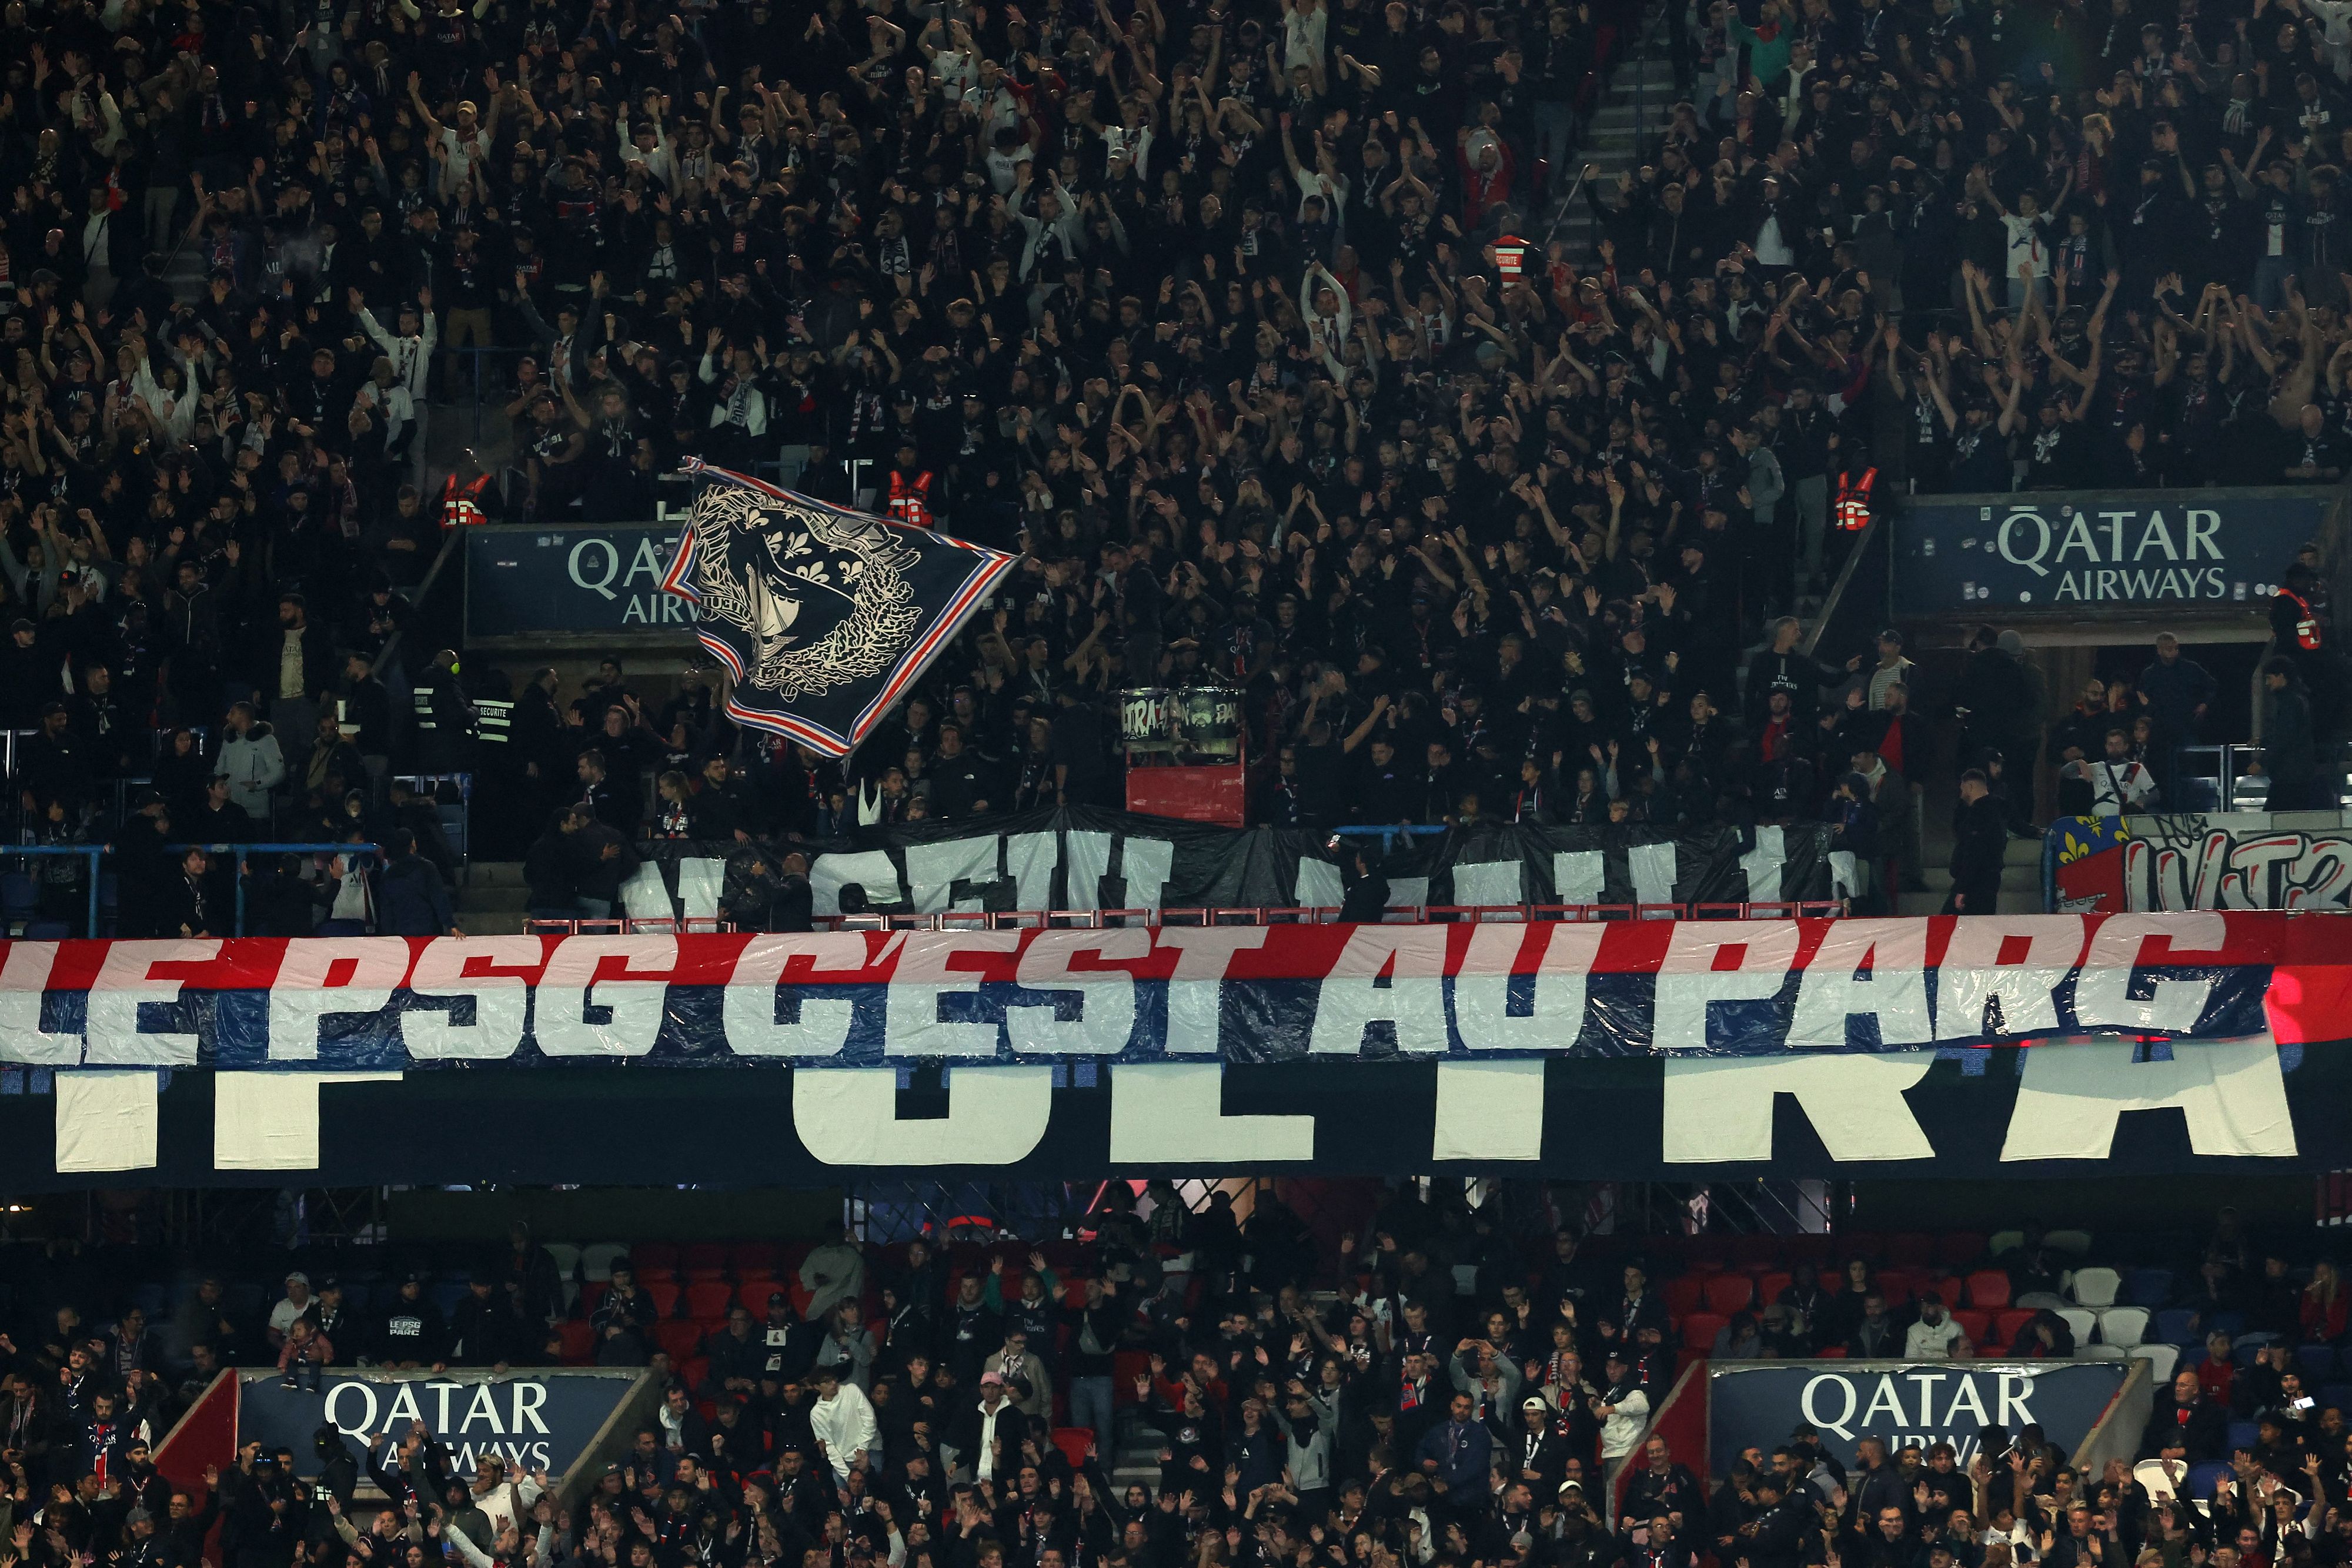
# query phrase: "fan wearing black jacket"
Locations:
[[410, 1333], [485, 1329], [1979, 845]]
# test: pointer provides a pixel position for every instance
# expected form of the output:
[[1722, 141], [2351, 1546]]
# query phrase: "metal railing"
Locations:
[[93, 854], [428, 787], [362, 856], [2225, 781]]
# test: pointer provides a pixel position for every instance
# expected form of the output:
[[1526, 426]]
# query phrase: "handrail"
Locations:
[[1860, 547], [94, 854], [239, 853]]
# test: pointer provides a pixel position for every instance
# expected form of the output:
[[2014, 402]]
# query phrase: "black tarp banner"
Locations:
[[2060, 1109], [1082, 858]]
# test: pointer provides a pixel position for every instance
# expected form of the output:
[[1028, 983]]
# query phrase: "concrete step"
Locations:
[[496, 873], [2012, 903], [493, 900], [490, 924], [2024, 879]]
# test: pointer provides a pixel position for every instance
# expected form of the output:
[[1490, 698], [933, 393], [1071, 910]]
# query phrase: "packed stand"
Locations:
[[1432, 1386], [1201, 307], [1424, 727]]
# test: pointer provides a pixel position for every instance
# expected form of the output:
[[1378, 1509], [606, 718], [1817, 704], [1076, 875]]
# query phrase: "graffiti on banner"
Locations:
[[2245, 860]]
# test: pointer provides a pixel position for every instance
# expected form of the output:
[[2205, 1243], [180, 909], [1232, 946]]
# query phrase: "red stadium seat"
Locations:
[[1894, 1284], [1989, 1288], [711, 1299], [579, 1341], [592, 1291], [1977, 1325], [665, 1295], [754, 1294], [1911, 1247], [693, 1372], [655, 1258], [679, 1337], [1729, 1293], [1073, 1296], [2005, 1324], [1960, 1248], [1768, 1288], [754, 1258], [1831, 1353], [1684, 1293], [703, 1261], [1073, 1442], [1699, 1330]]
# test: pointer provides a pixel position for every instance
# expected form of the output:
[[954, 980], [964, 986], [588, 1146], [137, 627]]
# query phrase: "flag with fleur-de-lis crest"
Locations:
[[825, 617]]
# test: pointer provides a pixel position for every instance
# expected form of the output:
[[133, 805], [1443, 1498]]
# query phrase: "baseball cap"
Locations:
[[1533, 1402], [298, 1278]]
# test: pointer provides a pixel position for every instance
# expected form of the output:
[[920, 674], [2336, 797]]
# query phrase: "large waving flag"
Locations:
[[824, 616]]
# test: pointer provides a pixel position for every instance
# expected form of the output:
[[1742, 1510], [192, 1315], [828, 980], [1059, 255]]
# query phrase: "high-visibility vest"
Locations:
[[462, 509], [910, 498], [1852, 508], [2306, 625]]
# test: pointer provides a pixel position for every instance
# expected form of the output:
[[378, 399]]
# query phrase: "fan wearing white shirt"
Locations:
[[2119, 784], [842, 1421], [411, 352], [1935, 1336]]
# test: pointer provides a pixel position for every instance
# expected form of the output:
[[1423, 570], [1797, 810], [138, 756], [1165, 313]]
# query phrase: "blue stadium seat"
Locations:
[[2172, 1327], [2317, 1362], [242, 1299], [446, 1294], [49, 931], [2202, 1477], [2231, 1324], [149, 1299], [2338, 1395], [2243, 1435], [2149, 1288], [19, 897]]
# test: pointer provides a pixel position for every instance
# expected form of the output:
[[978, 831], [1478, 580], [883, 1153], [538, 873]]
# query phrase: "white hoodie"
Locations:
[[845, 1424]]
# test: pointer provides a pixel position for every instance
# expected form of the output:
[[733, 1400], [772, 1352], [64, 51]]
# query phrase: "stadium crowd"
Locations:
[[1460, 1397], [1250, 326]]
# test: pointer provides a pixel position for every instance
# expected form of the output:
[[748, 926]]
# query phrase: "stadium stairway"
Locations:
[[1629, 114], [493, 900], [2021, 877]]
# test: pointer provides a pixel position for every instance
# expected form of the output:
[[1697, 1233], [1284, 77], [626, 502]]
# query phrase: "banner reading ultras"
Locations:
[[1241, 994]]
